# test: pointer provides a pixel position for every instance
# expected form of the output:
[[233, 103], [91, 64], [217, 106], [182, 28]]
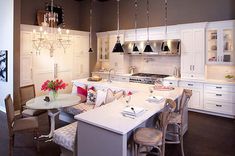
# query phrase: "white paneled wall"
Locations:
[[71, 64], [155, 64]]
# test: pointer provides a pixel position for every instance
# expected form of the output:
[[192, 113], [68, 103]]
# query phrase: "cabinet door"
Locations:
[[26, 70], [187, 41], [187, 63], [196, 99], [26, 45], [227, 55]]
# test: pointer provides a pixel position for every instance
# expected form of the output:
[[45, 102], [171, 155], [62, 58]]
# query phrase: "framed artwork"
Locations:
[[3, 65]]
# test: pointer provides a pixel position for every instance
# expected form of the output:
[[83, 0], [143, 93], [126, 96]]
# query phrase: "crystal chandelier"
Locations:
[[48, 37]]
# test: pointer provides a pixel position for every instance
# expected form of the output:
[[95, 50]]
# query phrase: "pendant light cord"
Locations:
[[52, 6], [148, 20], [118, 38], [91, 6], [136, 9], [166, 19]]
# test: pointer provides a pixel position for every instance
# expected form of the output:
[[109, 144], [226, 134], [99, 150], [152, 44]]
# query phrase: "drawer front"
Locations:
[[170, 83], [215, 87], [224, 108], [188, 84], [124, 78], [220, 96]]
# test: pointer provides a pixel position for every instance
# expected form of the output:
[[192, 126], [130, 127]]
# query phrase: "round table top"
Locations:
[[63, 100]]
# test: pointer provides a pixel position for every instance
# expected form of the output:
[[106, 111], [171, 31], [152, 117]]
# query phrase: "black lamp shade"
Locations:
[[148, 48], [90, 50], [135, 48], [165, 46], [118, 48]]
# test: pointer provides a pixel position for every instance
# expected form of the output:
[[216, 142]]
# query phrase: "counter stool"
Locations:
[[153, 137], [177, 118]]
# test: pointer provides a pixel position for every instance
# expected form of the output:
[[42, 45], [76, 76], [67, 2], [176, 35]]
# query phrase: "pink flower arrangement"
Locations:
[[53, 85]]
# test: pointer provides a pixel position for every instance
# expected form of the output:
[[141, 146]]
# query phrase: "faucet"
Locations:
[[109, 78]]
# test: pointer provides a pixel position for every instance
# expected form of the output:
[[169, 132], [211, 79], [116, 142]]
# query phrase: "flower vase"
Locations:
[[53, 94]]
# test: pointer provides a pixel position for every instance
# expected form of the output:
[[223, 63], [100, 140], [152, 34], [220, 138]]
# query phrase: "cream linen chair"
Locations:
[[178, 117], [27, 93], [153, 137], [21, 125]]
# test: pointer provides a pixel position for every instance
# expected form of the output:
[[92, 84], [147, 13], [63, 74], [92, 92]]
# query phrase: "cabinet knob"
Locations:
[[171, 83], [218, 105], [190, 84], [218, 87], [218, 94]]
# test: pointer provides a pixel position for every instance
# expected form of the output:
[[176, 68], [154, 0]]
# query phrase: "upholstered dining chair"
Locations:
[[153, 137], [27, 93], [21, 125], [177, 119]]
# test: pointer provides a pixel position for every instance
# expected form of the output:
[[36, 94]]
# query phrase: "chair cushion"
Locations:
[[77, 109], [32, 112], [175, 118], [22, 124], [65, 136], [148, 136]]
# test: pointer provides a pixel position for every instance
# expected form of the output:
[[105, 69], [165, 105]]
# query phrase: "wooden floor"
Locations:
[[207, 136]]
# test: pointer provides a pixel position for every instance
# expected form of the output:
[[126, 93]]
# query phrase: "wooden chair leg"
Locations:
[[37, 140], [11, 145], [182, 144]]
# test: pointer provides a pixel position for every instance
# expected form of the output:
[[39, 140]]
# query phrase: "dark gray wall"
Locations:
[[179, 11], [71, 11]]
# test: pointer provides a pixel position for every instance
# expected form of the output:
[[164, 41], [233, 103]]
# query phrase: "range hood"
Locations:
[[157, 46]]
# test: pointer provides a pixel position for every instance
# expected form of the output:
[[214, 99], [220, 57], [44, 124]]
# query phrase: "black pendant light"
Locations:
[[118, 47], [165, 44], [90, 35], [148, 48], [135, 48]]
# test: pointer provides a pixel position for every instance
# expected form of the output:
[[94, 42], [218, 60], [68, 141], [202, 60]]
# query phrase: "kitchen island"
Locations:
[[105, 131]]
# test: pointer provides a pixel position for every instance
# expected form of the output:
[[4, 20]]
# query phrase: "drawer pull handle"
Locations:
[[190, 84], [170, 83], [218, 94], [218, 87], [218, 105]]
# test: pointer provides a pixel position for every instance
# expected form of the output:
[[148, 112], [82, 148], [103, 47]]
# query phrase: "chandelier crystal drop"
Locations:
[[48, 37]]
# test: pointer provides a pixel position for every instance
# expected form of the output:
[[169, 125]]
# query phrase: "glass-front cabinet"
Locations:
[[220, 43], [103, 48]]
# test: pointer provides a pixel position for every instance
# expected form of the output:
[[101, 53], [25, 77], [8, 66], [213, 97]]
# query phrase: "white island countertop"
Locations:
[[109, 116]]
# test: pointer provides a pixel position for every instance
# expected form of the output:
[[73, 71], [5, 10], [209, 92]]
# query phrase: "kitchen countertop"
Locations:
[[172, 78], [213, 81], [109, 116]]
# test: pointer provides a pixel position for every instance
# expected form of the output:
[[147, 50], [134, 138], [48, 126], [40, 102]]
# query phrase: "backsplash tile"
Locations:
[[155, 64], [219, 72]]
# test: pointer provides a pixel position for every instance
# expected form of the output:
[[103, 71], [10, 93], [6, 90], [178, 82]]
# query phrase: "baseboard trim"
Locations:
[[211, 113]]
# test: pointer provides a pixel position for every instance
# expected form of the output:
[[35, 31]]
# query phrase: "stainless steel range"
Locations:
[[147, 78]]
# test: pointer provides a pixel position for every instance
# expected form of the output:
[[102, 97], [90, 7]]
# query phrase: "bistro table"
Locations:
[[63, 100]]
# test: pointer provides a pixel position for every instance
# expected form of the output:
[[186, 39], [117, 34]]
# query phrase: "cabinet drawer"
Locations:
[[224, 108], [124, 78], [170, 83], [188, 84], [220, 96], [215, 87]]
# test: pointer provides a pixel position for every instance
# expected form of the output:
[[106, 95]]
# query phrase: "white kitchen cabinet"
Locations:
[[196, 101], [193, 53], [103, 47], [220, 43], [219, 99], [118, 61], [66, 65]]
